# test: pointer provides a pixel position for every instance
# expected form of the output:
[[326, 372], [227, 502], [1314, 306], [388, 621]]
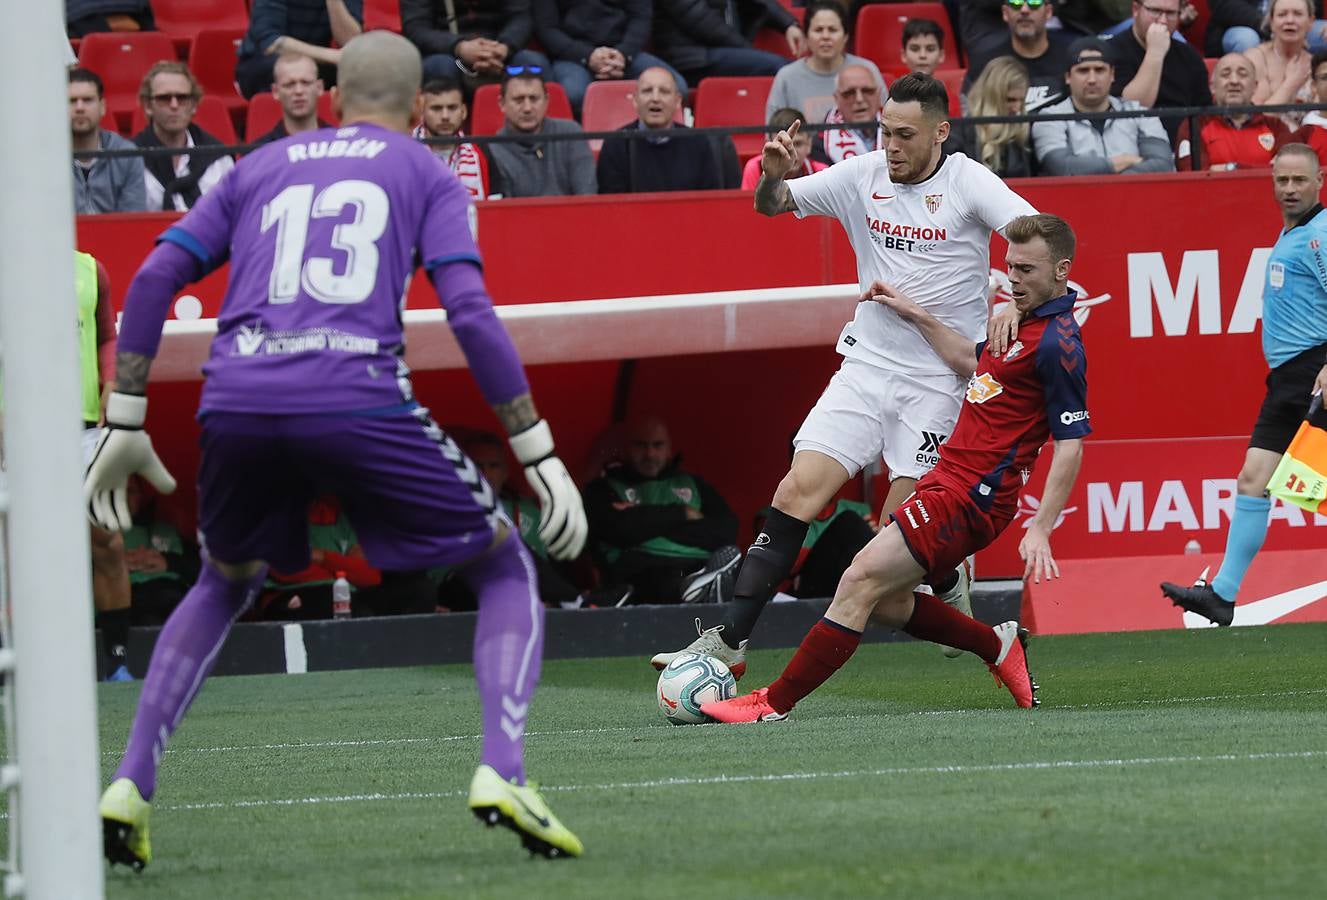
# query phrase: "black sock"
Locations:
[[768, 562], [944, 584], [114, 624]]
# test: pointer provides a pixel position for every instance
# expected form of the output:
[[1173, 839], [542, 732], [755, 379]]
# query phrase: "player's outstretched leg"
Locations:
[[509, 650], [767, 564], [181, 660]]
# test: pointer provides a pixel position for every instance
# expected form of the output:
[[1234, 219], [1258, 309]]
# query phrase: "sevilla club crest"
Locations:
[[933, 202]]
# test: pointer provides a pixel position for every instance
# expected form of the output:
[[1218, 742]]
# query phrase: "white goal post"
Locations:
[[53, 681]]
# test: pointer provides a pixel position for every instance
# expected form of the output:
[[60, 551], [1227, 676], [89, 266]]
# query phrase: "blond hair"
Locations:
[[1057, 234], [987, 97], [168, 67]]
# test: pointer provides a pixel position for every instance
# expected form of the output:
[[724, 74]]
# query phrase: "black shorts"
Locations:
[[1289, 388]]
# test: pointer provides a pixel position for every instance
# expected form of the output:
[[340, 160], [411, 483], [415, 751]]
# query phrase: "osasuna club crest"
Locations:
[[933, 202]]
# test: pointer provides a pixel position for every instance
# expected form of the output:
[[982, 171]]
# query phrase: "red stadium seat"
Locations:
[[1211, 65], [734, 101], [325, 109], [212, 60], [486, 117], [122, 59], [880, 32], [264, 112], [182, 19], [212, 116], [953, 80], [382, 14]]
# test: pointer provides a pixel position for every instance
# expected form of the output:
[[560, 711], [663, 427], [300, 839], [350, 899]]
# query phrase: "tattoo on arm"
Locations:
[[131, 372], [773, 196], [517, 414]]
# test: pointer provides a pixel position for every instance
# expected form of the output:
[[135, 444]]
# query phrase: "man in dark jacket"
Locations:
[[472, 40], [596, 40], [672, 158], [295, 26], [656, 526], [701, 38]]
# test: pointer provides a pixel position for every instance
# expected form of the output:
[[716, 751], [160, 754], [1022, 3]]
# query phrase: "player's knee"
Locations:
[[1250, 484], [858, 589], [798, 496]]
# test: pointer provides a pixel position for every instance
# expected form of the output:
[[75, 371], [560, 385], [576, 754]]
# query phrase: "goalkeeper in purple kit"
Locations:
[[307, 391]]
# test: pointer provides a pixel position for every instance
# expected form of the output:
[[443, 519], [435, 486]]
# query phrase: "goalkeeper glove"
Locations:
[[563, 526], [124, 449]]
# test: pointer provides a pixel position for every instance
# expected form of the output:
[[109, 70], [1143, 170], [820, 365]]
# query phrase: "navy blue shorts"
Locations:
[[414, 499]]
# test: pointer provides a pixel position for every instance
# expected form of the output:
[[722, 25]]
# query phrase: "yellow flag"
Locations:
[[1301, 476]]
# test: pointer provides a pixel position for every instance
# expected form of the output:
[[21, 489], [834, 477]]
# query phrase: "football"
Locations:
[[689, 681]]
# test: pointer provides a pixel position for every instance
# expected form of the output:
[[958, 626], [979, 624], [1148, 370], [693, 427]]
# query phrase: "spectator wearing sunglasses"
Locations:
[[1044, 53], [597, 40], [170, 94], [1154, 69], [530, 166], [474, 40]]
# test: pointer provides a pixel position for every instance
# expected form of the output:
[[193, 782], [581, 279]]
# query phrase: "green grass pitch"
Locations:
[[1161, 764]]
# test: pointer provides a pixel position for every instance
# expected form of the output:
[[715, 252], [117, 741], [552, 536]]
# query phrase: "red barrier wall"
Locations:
[[1170, 264]]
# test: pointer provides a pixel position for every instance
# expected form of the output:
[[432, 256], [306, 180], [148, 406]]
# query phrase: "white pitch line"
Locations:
[[571, 732], [776, 778]]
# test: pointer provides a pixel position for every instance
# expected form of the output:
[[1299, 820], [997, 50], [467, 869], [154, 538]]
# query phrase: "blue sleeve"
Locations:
[[1062, 366], [207, 228], [1317, 256], [267, 22]]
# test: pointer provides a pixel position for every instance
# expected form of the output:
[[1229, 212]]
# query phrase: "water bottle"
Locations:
[[340, 597], [1193, 547]]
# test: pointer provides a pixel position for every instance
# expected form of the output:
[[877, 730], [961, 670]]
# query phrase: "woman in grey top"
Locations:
[[808, 84]]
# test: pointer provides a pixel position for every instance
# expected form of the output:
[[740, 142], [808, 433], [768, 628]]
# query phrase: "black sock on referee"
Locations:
[[768, 562]]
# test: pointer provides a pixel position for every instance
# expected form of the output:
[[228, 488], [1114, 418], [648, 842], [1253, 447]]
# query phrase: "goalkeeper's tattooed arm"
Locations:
[[517, 414], [131, 370]]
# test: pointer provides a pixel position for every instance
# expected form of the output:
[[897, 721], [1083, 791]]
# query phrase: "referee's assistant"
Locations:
[[1294, 340]]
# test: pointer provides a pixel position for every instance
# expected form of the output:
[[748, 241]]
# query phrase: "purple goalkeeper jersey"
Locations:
[[323, 231]]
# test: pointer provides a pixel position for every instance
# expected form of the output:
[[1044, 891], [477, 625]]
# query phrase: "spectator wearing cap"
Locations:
[[1097, 146], [531, 166], [673, 157], [170, 94], [1153, 68], [1236, 141]]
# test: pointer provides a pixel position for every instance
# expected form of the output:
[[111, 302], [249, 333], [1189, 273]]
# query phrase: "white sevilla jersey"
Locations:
[[931, 240]]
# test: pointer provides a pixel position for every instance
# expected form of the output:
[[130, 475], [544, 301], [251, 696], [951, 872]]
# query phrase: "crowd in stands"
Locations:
[[642, 71], [648, 68]]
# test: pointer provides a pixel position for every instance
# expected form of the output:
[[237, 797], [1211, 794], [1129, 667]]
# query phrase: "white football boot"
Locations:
[[708, 644], [960, 598]]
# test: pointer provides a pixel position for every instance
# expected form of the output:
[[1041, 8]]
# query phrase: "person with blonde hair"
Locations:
[[1004, 148], [1282, 65]]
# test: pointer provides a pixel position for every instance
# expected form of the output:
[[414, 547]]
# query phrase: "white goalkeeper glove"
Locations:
[[563, 526], [123, 450]]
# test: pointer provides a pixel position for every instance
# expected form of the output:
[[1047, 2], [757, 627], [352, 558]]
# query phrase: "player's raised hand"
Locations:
[[777, 159], [563, 526], [1035, 550], [1001, 329], [123, 450]]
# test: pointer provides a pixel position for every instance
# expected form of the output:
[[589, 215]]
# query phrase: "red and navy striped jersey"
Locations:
[[1035, 390]]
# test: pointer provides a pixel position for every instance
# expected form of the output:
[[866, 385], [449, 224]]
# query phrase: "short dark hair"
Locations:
[[524, 75], [1057, 234], [441, 86], [929, 92], [78, 73], [921, 28], [1318, 59], [833, 6], [782, 119]]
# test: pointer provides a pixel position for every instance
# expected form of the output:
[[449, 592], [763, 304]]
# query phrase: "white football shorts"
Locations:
[[868, 412]]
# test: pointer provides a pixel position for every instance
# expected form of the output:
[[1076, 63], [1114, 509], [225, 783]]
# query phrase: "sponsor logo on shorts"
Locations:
[[850, 340], [928, 454], [1069, 418], [983, 387], [911, 521], [921, 508]]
